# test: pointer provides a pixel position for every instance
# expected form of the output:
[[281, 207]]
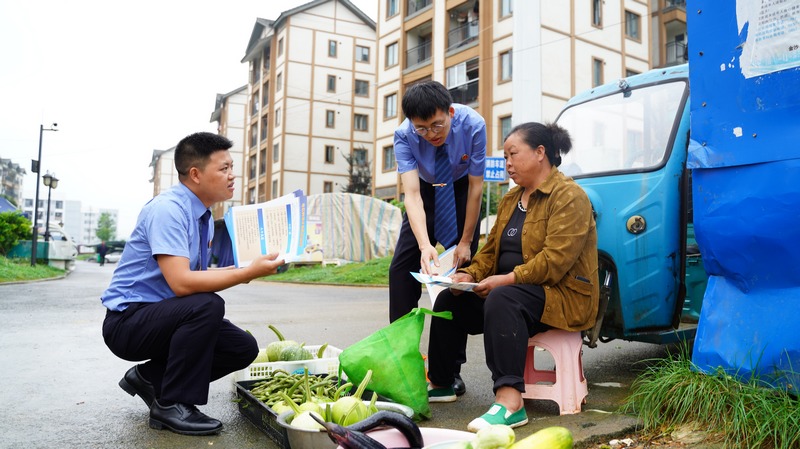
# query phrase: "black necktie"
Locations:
[[204, 239]]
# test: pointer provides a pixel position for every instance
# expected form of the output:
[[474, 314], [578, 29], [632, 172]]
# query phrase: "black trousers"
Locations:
[[186, 340], [508, 317], [404, 290]]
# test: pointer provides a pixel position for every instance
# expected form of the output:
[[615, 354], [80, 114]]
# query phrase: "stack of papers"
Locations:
[[444, 281], [277, 226], [446, 266]]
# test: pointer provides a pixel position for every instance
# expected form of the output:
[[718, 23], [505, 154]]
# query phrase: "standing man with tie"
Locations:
[[440, 149], [162, 305]]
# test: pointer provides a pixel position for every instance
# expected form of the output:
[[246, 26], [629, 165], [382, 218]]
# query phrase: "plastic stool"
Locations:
[[565, 384]]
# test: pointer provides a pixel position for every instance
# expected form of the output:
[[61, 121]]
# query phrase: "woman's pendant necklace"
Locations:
[[519, 205]]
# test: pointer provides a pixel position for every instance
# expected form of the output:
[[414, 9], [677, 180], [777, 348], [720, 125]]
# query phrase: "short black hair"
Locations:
[[195, 149], [422, 100], [555, 139]]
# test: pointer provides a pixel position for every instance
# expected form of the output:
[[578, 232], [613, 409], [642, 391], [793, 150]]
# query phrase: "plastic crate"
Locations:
[[328, 364], [258, 413]]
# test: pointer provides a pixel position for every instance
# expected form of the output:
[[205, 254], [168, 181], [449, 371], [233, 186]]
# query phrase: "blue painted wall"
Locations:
[[745, 156]]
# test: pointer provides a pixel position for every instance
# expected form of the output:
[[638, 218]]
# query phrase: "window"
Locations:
[[280, 47], [274, 188], [254, 104], [262, 166], [253, 164], [331, 83], [362, 88], [253, 135], [327, 187], [332, 48], [276, 152], [360, 156], [279, 82], [360, 122], [391, 55], [597, 13], [265, 95], [632, 25], [277, 117], [597, 72], [28, 202], [506, 7], [505, 66], [505, 128], [390, 106], [59, 205], [392, 7], [329, 154], [264, 127], [362, 54], [629, 72], [251, 195], [330, 119], [388, 158]]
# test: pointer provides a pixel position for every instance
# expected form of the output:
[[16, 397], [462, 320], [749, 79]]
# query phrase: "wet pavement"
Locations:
[[59, 381]]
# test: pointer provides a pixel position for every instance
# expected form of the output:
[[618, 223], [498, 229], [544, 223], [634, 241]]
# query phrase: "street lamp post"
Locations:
[[35, 165], [51, 182]]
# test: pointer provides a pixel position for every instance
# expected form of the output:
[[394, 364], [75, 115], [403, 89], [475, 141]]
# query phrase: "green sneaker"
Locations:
[[445, 394], [498, 414]]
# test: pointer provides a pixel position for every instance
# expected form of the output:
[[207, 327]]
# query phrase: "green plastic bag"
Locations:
[[392, 353]]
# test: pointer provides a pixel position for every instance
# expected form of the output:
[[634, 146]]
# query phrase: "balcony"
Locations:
[[463, 35], [676, 53], [418, 55], [417, 5], [466, 94], [670, 4]]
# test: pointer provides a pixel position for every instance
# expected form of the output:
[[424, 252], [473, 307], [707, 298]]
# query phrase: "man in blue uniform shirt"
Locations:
[[162, 305], [440, 150]]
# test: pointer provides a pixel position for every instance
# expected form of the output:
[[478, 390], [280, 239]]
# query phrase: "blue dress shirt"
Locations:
[[168, 224], [466, 146]]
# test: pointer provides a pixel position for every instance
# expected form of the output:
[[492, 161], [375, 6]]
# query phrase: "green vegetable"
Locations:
[[294, 353], [262, 357], [305, 421], [550, 438], [351, 409], [274, 349], [496, 436]]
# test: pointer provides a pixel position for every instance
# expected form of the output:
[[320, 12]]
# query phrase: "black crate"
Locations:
[[260, 414]]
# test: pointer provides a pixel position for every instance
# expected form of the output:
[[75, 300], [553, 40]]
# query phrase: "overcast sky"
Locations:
[[121, 79]]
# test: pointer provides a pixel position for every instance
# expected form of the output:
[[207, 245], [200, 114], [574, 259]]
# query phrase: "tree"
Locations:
[[13, 228], [359, 175], [106, 228]]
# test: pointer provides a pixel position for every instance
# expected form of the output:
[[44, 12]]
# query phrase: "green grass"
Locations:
[[373, 272], [745, 414], [12, 270]]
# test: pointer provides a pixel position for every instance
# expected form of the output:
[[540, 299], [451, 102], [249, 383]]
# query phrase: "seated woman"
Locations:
[[537, 271]]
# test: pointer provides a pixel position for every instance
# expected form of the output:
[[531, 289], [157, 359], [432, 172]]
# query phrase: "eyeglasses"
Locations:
[[436, 129]]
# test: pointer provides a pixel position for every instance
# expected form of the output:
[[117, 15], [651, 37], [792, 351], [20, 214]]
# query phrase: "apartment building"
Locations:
[[670, 41], [230, 113], [11, 175], [490, 52], [311, 99]]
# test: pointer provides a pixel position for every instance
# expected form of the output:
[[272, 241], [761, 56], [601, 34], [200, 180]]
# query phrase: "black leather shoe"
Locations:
[[458, 386], [133, 383], [184, 419]]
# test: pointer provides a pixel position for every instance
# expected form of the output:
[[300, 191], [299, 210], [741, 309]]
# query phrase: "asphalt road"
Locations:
[[58, 381]]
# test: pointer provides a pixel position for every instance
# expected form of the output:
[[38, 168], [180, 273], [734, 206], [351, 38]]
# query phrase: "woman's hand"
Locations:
[[487, 285], [460, 277]]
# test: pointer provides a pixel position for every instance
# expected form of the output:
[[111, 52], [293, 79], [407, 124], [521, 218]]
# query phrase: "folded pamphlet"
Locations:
[[276, 226]]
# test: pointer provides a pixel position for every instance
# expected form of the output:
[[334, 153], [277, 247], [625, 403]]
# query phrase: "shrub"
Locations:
[[13, 228]]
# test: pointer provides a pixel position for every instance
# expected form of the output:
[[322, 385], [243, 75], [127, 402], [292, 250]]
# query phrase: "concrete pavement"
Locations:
[[59, 381]]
